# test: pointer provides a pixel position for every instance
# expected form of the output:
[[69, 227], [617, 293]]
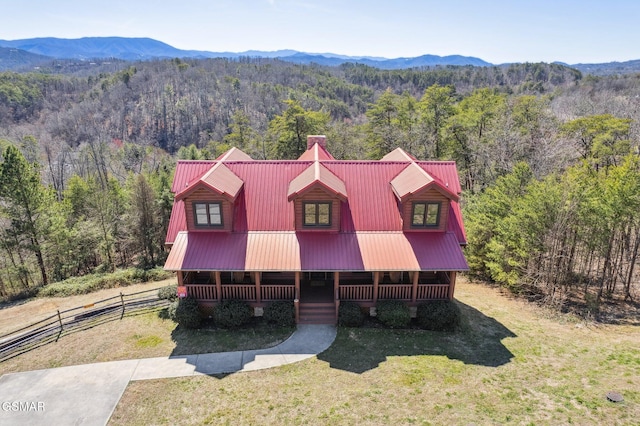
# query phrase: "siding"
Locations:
[[317, 194], [428, 195], [205, 195]]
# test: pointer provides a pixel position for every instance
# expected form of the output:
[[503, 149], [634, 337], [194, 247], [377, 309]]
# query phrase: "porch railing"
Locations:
[[433, 291], [356, 292], [208, 292], [352, 292], [394, 291], [277, 292], [239, 291], [202, 292]]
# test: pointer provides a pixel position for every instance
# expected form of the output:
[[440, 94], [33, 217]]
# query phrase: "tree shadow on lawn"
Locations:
[[478, 342]]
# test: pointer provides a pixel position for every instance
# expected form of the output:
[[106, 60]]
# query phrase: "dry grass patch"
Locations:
[[13, 315], [512, 363], [137, 336]]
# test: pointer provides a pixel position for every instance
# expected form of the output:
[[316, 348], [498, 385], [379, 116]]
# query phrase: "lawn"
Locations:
[[138, 336], [512, 363]]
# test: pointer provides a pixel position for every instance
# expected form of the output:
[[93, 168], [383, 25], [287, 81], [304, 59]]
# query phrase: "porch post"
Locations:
[[376, 278], [336, 291], [218, 286], [257, 278], [296, 300], [452, 283], [180, 278], [414, 290]]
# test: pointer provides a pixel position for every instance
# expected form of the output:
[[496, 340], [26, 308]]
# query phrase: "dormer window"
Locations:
[[425, 215], [317, 213], [208, 214]]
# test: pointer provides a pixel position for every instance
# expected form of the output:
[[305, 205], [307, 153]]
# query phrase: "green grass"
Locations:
[[510, 364]]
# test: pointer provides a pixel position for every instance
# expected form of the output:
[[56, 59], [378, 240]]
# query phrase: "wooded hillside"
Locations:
[[548, 159]]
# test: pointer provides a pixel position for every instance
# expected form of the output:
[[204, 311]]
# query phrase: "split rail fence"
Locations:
[[69, 321]]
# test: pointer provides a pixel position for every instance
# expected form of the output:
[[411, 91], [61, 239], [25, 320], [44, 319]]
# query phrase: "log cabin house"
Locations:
[[316, 230]]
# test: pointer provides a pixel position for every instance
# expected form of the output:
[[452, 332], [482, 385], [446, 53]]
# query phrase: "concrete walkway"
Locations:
[[88, 394]]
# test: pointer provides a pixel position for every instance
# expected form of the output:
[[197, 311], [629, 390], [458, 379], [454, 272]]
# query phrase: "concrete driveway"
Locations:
[[88, 394]]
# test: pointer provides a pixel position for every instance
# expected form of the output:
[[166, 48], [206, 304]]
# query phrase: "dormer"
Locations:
[[424, 200], [317, 195], [209, 199]]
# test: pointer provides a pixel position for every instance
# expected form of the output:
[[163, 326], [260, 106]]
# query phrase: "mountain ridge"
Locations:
[[142, 48], [30, 53]]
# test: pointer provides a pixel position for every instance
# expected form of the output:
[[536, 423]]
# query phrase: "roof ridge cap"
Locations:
[[427, 175]]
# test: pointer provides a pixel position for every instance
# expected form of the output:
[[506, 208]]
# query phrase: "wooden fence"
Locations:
[[80, 318]]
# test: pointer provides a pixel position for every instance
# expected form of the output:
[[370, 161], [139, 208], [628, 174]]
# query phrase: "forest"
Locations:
[[549, 160]]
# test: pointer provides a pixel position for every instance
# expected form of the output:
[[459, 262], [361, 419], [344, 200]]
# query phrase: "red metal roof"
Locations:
[[178, 221], [218, 179], [316, 153], [187, 171], [317, 174], [370, 236], [398, 154], [234, 154], [291, 251], [411, 180], [264, 205]]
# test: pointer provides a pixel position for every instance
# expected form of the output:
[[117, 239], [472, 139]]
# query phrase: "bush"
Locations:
[[185, 312], [99, 281], [232, 313], [169, 292], [148, 275], [282, 313], [350, 314], [393, 313], [438, 315]]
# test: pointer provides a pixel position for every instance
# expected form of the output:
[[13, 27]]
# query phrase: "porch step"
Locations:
[[317, 313]]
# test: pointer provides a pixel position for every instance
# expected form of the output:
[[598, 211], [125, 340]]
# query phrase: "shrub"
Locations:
[[185, 312], [350, 314], [393, 313], [438, 315], [232, 313], [282, 313], [99, 281], [169, 292]]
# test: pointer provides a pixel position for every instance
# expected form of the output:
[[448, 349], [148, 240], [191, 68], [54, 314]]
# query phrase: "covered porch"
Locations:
[[365, 288]]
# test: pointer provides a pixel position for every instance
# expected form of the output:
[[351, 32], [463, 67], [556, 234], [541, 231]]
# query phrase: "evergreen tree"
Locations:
[[24, 200]]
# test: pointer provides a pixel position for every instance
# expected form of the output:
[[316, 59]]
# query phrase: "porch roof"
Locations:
[[291, 251]]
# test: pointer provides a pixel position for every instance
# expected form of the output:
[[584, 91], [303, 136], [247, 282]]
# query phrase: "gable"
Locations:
[[415, 180], [316, 175], [218, 179]]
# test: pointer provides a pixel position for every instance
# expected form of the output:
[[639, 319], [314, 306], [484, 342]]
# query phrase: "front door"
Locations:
[[316, 287]]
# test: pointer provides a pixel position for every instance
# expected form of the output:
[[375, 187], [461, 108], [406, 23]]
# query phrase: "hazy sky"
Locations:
[[498, 31]]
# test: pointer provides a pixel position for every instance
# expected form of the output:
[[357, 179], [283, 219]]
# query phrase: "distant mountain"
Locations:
[[609, 68], [29, 53], [13, 59], [95, 47], [129, 49], [398, 63]]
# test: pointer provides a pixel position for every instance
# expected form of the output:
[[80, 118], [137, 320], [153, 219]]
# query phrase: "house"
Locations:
[[316, 230]]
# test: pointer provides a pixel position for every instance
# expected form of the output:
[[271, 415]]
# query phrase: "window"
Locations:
[[208, 214], [426, 214], [317, 214]]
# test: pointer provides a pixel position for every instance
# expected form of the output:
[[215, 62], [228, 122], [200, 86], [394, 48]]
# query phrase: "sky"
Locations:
[[497, 31]]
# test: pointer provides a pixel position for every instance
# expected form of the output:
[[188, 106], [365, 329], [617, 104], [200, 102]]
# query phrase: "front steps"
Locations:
[[317, 313]]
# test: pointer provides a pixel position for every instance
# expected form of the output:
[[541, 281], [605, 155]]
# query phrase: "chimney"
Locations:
[[316, 139]]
